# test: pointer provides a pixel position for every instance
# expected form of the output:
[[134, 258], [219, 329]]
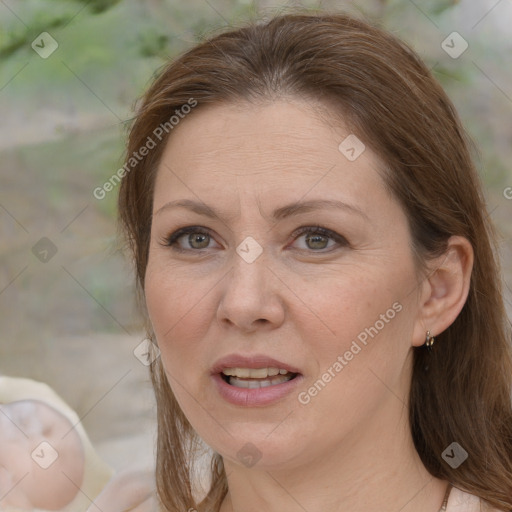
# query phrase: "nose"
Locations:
[[251, 297]]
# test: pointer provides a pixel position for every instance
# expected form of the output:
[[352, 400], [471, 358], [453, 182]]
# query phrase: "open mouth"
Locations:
[[250, 378]]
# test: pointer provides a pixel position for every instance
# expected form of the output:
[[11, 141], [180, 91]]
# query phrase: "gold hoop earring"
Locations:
[[429, 341]]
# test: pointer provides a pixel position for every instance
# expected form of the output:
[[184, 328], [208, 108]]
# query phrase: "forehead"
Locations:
[[285, 146]]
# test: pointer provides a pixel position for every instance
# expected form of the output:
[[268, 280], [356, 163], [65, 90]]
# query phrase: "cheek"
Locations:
[[179, 322], [178, 311], [16, 463], [364, 325], [356, 306]]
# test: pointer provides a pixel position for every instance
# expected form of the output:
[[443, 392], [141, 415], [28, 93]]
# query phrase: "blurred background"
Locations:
[[70, 71]]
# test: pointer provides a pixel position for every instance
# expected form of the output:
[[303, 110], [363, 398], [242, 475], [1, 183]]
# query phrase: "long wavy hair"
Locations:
[[390, 100]]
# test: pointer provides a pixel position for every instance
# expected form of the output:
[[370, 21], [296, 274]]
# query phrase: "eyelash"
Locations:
[[172, 239]]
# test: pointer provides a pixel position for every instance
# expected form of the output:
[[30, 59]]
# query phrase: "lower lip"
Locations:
[[257, 396]]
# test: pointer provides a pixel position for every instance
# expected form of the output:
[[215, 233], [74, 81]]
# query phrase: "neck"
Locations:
[[375, 469]]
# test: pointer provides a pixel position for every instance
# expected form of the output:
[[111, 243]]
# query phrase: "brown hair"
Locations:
[[392, 102]]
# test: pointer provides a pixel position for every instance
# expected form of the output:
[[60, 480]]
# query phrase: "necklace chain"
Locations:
[[446, 496]]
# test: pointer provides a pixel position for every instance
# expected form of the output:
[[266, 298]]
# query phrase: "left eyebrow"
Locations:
[[278, 214], [315, 204]]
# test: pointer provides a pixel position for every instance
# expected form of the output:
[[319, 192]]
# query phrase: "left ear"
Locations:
[[445, 289]]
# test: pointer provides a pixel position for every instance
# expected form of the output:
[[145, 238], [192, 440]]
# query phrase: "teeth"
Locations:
[[253, 384], [253, 373]]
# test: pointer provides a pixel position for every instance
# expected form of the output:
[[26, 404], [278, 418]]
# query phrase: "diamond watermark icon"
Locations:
[[249, 249], [455, 455], [454, 45], [44, 45], [44, 250], [351, 147], [44, 455], [146, 352], [249, 455]]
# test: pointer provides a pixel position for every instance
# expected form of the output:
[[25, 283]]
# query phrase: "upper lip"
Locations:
[[252, 361]]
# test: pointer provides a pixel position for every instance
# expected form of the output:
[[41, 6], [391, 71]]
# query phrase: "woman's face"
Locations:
[[338, 307]]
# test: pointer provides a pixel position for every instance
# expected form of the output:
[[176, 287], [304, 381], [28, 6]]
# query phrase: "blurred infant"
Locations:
[[42, 458], [47, 462]]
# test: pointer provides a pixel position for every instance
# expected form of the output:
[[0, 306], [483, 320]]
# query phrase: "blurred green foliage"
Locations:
[[109, 50]]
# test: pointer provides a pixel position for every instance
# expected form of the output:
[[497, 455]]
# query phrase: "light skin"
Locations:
[[300, 302], [24, 483]]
